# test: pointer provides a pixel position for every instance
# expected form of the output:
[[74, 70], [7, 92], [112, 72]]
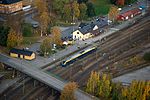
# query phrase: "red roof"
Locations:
[[130, 12]]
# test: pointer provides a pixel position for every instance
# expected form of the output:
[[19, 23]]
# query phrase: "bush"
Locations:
[[27, 30], [147, 56]]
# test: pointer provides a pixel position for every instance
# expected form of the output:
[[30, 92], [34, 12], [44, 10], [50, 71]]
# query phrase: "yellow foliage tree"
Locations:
[[68, 91], [76, 10], [92, 84], [138, 90], [56, 35], [44, 17], [113, 13], [14, 39]]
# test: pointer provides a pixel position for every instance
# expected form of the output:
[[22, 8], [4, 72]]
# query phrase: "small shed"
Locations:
[[22, 53]]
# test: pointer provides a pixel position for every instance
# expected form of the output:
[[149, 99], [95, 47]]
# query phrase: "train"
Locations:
[[78, 55]]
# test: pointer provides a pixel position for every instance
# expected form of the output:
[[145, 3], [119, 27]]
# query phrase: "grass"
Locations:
[[30, 40], [101, 6]]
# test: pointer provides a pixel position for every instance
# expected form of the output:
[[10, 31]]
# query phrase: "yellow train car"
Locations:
[[23, 54]]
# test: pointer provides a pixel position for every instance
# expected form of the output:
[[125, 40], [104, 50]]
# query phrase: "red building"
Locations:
[[129, 14]]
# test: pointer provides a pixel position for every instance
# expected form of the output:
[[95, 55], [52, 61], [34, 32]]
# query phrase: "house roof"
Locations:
[[89, 27], [9, 1], [21, 52], [82, 24], [130, 12]]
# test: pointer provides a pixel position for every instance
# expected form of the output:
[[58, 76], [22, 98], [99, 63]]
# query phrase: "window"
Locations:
[[77, 32]]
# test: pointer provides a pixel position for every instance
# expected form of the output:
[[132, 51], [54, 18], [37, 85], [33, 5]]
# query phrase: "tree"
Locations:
[[147, 56], [46, 46], [83, 10], [14, 39], [113, 1], [44, 21], [56, 35], [90, 9], [113, 13], [44, 17], [14, 22], [99, 86], [68, 91], [76, 11], [4, 31], [105, 87], [59, 4], [40, 5], [27, 29], [138, 90], [93, 83], [120, 2], [82, 1], [67, 13]]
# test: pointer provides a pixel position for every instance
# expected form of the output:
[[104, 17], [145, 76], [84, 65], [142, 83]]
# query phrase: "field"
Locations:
[[101, 6]]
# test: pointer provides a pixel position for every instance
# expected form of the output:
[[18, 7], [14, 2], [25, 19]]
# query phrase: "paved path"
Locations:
[[141, 74]]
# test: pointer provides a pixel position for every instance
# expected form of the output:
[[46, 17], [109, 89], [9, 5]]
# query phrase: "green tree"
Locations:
[[27, 30], [46, 46], [90, 9], [83, 10], [68, 91], [58, 5], [67, 13], [4, 31], [14, 39], [147, 56]]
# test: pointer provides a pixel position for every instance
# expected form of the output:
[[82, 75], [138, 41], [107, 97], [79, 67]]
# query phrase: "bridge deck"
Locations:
[[40, 75]]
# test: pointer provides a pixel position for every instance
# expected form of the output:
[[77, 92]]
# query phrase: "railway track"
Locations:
[[58, 70]]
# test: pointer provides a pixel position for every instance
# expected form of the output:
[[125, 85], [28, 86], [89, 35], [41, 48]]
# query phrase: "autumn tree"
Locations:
[[14, 39], [99, 86], [75, 8], [113, 13], [43, 14], [138, 90], [93, 82], [105, 86], [83, 10], [68, 91], [56, 35], [14, 22], [120, 2], [46, 46]]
